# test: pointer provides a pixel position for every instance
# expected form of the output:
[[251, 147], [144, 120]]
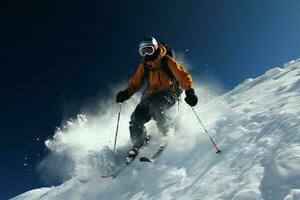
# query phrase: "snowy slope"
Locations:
[[257, 125]]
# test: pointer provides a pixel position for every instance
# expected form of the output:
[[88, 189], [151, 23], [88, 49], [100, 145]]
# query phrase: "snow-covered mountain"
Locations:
[[257, 125]]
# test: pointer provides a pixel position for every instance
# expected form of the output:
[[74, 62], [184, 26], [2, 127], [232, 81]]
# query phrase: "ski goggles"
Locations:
[[147, 50]]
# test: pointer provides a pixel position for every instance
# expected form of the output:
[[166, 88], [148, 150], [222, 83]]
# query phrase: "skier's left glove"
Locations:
[[191, 97]]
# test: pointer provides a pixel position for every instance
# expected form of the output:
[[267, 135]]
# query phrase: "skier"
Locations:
[[164, 75]]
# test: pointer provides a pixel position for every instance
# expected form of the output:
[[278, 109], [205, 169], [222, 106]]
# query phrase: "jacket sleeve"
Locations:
[[183, 77], [136, 81]]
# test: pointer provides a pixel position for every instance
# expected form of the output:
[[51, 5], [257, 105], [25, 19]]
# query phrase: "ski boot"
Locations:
[[135, 150]]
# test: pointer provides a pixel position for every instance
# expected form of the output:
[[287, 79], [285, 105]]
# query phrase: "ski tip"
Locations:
[[145, 159], [111, 177], [83, 180], [219, 152]]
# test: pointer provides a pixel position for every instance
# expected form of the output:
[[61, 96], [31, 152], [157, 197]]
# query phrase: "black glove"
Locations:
[[122, 96], [191, 97]]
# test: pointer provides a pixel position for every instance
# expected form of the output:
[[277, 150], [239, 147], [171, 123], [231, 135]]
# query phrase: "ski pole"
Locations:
[[218, 151], [117, 129]]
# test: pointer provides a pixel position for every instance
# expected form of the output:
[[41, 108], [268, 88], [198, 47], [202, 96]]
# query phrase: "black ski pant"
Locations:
[[151, 106]]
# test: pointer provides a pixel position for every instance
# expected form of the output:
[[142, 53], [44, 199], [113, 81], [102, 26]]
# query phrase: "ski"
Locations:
[[133, 153], [155, 155], [115, 173], [128, 160], [142, 159]]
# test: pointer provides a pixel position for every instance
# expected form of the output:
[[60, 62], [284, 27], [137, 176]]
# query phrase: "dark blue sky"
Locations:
[[57, 56]]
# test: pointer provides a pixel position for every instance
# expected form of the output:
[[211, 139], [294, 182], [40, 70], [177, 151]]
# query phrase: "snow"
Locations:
[[257, 125]]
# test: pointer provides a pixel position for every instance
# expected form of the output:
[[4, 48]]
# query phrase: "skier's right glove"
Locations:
[[191, 97], [122, 96]]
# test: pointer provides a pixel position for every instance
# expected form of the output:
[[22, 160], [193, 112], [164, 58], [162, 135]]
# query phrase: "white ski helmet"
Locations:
[[147, 46]]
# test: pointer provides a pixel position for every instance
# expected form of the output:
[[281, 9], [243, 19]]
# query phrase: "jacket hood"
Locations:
[[163, 51]]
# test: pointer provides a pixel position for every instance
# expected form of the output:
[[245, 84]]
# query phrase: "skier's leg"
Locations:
[[159, 107], [138, 118]]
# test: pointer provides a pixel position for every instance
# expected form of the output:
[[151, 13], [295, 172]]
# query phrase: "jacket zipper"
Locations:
[[159, 78]]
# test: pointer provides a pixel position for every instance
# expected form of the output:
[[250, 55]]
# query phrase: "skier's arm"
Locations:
[[185, 81], [136, 81], [183, 77]]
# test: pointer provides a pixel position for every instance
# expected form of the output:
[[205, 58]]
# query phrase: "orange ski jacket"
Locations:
[[159, 81]]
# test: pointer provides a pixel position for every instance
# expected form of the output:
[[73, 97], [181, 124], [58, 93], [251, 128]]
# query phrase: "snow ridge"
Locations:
[[257, 125]]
